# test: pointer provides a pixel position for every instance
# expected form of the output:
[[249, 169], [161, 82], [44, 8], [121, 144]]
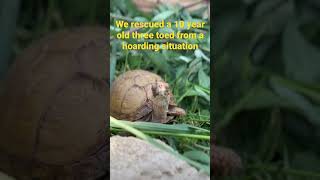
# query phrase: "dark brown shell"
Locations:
[[225, 162], [53, 120]]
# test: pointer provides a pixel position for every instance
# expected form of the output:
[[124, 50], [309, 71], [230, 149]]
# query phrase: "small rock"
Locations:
[[135, 159]]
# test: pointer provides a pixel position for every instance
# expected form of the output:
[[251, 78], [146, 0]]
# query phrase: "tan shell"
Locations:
[[53, 119], [191, 5], [131, 91]]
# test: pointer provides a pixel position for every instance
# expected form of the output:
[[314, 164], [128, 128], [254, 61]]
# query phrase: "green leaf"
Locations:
[[198, 156], [162, 146], [185, 58], [162, 16], [202, 92], [166, 30], [196, 91], [311, 91], [266, 6], [299, 102], [159, 61], [199, 54], [301, 58], [226, 26], [204, 79], [176, 128], [257, 98], [140, 19]]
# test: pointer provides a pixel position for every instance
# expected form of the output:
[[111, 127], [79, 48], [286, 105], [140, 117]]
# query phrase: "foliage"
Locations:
[[267, 85], [187, 72], [141, 129], [37, 17]]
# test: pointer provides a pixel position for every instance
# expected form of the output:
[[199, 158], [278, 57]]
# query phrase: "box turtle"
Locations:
[[53, 116], [139, 95]]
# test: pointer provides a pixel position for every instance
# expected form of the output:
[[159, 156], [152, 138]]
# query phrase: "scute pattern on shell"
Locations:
[[130, 91], [53, 119], [140, 95]]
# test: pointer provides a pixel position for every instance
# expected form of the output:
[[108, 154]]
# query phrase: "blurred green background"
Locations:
[[21, 22], [266, 85]]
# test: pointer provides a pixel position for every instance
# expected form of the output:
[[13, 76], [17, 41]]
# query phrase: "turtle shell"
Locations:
[[130, 91], [53, 115]]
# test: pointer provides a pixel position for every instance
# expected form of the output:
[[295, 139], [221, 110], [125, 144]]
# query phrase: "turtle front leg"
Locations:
[[176, 111], [144, 113]]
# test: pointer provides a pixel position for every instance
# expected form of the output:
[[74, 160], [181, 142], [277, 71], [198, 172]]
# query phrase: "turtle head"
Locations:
[[160, 88]]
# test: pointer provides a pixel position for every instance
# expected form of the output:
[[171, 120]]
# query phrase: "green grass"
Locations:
[[266, 94], [144, 129], [187, 72]]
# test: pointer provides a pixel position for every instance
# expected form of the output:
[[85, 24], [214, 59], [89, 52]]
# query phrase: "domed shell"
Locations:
[[130, 92], [53, 119]]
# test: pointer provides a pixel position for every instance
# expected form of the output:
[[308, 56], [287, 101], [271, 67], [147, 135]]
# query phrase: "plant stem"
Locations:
[[195, 136]]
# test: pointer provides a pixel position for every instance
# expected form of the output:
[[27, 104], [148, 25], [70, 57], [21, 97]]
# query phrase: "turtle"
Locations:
[[140, 95], [53, 116]]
